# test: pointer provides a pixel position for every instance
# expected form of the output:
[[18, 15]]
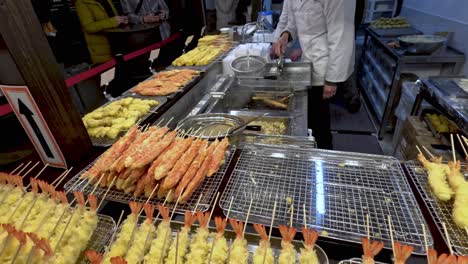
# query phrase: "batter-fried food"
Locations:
[[165, 83]]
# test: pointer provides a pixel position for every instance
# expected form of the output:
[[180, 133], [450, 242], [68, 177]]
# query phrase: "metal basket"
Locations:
[[248, 65]]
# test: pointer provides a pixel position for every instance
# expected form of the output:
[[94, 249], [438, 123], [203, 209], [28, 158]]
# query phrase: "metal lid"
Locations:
[[248, 64]]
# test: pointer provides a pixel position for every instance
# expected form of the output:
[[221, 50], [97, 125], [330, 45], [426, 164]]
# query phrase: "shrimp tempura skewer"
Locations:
[[239, 252], [121, 244], [288, 252], [402, 252], [260, 256], [184, 240], [199, 248], [308, 254], [160, 245], [219, 252], [370, 250], [139, 247]]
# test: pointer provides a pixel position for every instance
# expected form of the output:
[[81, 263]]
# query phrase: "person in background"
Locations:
[[148, 12], [96, 16], [325, 29], [225, 12]]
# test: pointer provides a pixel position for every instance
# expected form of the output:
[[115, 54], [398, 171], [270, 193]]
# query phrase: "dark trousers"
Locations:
[[318, 117]]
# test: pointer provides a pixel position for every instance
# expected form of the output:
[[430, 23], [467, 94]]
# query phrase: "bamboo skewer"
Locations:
[[113, 235], [419, 150], [165, 235], [453, 149], [449, 244], [292, 215], [391, 234], [32, 168], [271, 228], [428, 152], [214, 205], [426, 246], [17, 168], [229, 209], [198, 202], [247, 217], [463, 146], [25, 166], [305, 215], [63, 177], [214, 241], [272, 220], [368, 226], [105, 194]]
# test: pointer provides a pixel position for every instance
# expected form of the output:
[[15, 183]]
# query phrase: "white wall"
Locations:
[[441, 15], [456, 10]]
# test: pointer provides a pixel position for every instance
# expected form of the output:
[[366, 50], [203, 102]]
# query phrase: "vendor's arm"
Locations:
[[88, 23], [283, 21], [289, 32], [339, 15]]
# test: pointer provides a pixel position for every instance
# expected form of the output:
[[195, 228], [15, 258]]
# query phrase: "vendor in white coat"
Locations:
[[325, 29]]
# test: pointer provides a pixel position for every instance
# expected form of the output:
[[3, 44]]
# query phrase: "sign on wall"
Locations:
[[33, 122]]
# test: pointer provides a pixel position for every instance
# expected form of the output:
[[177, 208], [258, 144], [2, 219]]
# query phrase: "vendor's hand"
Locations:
[[329, 91], [121, 19], [151, 19], [280, 47]]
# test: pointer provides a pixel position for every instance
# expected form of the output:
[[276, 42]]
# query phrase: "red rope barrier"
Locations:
[[107, 65]]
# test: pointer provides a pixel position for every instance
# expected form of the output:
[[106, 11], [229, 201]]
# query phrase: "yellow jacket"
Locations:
[[94, 19]]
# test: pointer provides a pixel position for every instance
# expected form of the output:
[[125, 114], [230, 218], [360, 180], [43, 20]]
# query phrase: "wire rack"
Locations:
[[207, 190], [440, 211], [338, 190], [101, 235], [106, 142]]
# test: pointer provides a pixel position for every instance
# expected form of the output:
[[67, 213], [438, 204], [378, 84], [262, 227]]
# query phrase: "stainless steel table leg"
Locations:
[[390, 101]]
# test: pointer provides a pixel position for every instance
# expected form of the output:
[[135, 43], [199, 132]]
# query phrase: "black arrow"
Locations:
[[24, 110]]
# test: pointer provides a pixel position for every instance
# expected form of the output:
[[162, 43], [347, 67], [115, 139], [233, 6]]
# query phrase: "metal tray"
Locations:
[[107, 142], [338, 189], [252, 240], [170, 96], [440, 211], [279, 141], [208, 188], [100, 237]]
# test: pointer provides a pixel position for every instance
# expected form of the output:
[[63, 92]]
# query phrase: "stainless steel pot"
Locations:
[[419, 44]]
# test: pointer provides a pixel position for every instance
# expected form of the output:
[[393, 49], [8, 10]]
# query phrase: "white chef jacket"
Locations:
[[283, 21], [326, 33]]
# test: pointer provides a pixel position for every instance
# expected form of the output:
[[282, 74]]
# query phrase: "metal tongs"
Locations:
[[276, 70]]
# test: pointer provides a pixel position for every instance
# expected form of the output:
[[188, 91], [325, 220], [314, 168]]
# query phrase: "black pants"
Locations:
[[318, 117]]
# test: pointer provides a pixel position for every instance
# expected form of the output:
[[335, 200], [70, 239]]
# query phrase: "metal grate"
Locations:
[[207, 189], [337, 188], [101, 236], [106, 142], [440, 211]]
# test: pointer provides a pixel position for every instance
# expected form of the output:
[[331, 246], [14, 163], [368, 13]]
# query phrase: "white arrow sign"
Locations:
[[33, 122]]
